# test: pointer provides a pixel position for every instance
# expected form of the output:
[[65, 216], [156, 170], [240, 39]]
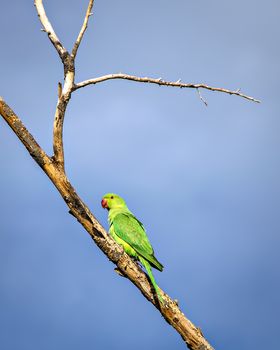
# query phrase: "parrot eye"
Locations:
[[112, 197]]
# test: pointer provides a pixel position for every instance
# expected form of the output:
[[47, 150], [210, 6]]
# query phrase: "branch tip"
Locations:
[[47, 27], [160, 81], [83, 29]]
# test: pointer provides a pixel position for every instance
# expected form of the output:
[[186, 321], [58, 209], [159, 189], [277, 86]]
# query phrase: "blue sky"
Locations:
[[204, 181]]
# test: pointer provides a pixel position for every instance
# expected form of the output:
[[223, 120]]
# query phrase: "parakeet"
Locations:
[[130, 233]]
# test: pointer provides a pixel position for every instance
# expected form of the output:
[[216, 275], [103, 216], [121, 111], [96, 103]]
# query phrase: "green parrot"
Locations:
[[130, 233]]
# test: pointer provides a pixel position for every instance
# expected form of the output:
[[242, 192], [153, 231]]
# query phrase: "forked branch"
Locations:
[[54, 169], [161, 82], [69, 77]]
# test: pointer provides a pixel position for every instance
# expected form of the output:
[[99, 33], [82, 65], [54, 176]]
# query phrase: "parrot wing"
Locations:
[[132, 231]]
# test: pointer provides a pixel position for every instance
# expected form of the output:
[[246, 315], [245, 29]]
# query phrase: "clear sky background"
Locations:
[[204, 181]]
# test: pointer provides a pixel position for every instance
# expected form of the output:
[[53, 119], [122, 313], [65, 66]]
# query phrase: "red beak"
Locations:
[[104, 203]]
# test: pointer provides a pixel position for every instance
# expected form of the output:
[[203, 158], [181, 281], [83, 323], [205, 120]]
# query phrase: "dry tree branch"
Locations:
[[54, 169], [161, 82], [49, 29], [65, 93], [170, 311], [83, 29]]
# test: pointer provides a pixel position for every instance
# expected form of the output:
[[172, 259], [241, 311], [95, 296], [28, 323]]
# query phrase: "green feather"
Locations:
[[129, 232], [147, 266], [129, 229]]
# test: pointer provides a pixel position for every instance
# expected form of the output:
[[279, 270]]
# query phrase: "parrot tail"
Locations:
[[147, 266]]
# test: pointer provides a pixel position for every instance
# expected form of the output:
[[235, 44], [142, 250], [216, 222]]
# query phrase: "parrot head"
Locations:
[[112, 201]]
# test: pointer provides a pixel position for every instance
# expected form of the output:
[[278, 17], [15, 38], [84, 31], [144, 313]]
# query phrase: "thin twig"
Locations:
[[65, 91], [58, 148], [47, 27], [201, 98], [160, 81], [83, 29]]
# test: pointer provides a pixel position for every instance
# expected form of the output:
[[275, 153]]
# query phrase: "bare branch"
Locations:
[[160, 81], [83, 29], [192, 335], [65, 91], [58, 149], [36, 152], [64, 95], [47, 27], [69, 76]]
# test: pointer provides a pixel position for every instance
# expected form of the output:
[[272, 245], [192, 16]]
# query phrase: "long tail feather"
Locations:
[[147, 266]]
